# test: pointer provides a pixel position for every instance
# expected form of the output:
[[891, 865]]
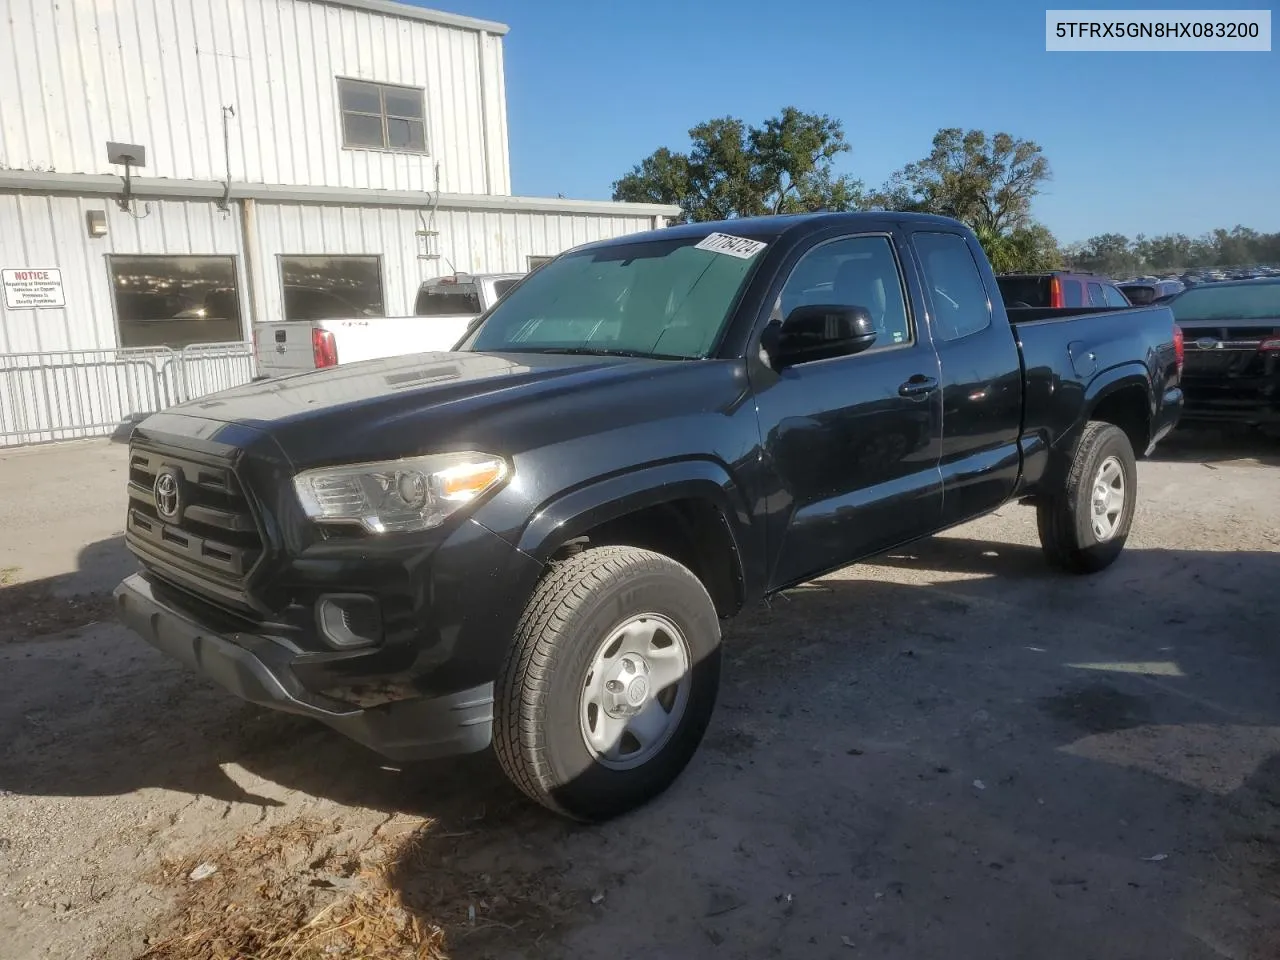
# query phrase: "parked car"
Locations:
[[336, 332], [530, 542], [1232, 335], [1142, 292], [1059, 288]]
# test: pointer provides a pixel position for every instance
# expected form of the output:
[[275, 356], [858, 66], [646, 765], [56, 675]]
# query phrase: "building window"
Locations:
[[377, 116], [175, 301], [326, 288]]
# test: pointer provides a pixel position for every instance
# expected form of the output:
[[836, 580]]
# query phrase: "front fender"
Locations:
[[572, 514]]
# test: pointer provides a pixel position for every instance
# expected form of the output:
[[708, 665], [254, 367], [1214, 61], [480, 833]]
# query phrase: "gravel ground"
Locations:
[[948, 752]]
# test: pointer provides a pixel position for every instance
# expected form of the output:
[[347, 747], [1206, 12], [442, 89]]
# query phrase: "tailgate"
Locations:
[[283, 348]]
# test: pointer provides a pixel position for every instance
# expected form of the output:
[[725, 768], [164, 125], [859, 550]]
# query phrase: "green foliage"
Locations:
[[986, 181], [989, 182], [1116, 255], [1025, 249], [786, 165]]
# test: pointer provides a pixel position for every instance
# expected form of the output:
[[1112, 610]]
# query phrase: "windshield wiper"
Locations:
[[596, 352]]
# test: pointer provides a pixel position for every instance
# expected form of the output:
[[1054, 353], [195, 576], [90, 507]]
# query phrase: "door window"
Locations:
[[854, 271], [961, 307], [1096, 298], [1115, 298]]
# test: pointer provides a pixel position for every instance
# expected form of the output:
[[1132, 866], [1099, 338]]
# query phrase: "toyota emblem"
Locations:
[[1207, 343], [168, 494]]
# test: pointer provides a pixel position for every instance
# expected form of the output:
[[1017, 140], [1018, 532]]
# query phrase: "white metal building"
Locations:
[[287, 156]]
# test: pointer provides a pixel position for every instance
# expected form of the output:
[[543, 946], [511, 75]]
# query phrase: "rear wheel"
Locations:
[[610, 683], [1083, 527]]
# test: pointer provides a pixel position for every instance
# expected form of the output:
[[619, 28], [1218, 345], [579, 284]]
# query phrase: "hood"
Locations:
[[401, 405]]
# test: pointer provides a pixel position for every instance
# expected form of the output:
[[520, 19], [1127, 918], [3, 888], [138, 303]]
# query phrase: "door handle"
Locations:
[[918, 386]]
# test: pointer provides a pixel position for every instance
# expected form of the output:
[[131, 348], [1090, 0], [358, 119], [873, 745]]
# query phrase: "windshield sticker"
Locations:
[[739, 247]]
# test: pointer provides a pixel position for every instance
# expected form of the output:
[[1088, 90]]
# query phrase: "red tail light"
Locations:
[[324, 348], [1179, 351], [1055, 293], [1270, 344]]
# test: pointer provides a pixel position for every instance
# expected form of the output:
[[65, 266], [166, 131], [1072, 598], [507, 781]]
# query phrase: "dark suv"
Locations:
[[1058, 288]]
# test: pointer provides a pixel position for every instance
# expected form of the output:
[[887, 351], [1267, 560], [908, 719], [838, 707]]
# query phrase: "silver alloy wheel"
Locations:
[[635, 691], [1107, 499]]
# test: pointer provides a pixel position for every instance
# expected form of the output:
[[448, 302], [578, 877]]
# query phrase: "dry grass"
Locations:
[[309, 891]]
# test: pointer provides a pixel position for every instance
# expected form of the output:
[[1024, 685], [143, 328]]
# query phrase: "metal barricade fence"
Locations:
[[72, 394]]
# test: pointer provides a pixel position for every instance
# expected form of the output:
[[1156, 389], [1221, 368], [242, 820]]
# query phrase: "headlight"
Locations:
[[398, 496]]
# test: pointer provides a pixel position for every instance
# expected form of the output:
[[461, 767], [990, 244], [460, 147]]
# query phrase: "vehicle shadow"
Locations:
[[1210, 445], [936, 638], [30, 609]]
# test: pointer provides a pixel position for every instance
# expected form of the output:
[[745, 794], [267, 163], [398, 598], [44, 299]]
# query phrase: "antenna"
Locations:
[[128, 155]]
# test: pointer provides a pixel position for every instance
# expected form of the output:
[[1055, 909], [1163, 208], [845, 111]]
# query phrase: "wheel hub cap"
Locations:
[[635, 691], [627, 689], [1107, 500]]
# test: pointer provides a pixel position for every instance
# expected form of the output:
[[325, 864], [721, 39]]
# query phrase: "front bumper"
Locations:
[[261, 670], [1242, 408]]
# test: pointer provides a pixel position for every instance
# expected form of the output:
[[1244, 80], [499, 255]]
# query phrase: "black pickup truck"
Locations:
[[530, 541]]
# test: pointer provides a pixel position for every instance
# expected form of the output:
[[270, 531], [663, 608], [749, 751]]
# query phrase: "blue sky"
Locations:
[[1139, 142]]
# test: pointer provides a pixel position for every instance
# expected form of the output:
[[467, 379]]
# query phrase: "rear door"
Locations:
[[981, 376]]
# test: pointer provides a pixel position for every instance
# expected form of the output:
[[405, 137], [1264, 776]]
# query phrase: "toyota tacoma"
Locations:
[[530, 542]]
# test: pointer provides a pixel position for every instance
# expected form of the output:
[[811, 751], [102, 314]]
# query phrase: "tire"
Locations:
[[541, 713], [1065, 517]]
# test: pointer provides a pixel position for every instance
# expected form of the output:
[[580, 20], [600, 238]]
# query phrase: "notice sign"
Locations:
[[28, 289]]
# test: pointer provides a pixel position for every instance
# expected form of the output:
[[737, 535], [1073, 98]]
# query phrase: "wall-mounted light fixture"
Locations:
[[96, 221]]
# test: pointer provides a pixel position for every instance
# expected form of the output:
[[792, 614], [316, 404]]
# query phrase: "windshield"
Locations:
[[659, 298], [1246, 301]]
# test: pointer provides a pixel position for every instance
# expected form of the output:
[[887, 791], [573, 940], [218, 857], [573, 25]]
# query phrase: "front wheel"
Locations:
[[610, 682], [1084, 526]]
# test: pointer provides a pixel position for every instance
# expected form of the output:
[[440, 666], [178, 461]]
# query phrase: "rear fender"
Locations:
[[1105, 393]]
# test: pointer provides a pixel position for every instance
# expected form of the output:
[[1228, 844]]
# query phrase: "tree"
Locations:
[[986, 181], [1108, 253], [786, 165], [1026, 249]]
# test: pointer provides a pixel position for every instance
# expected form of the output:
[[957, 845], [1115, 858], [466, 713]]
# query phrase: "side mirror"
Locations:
[[819, 332]]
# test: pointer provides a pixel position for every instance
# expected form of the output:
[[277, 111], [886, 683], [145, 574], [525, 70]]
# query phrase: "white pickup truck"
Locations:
[[442, 312]]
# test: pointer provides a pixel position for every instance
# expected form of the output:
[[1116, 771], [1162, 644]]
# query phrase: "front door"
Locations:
[[852, 443]]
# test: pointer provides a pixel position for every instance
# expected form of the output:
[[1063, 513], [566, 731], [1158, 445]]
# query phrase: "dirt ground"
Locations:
[[950, 752]]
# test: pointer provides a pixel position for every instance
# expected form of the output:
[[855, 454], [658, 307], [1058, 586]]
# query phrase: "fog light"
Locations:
[[349, 620]]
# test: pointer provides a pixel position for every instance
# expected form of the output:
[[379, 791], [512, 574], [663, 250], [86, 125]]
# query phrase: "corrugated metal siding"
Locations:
[[79, 73], [474, 241], [41, 231]]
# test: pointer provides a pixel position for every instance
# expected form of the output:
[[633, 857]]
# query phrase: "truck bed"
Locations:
[[1109, 348]]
